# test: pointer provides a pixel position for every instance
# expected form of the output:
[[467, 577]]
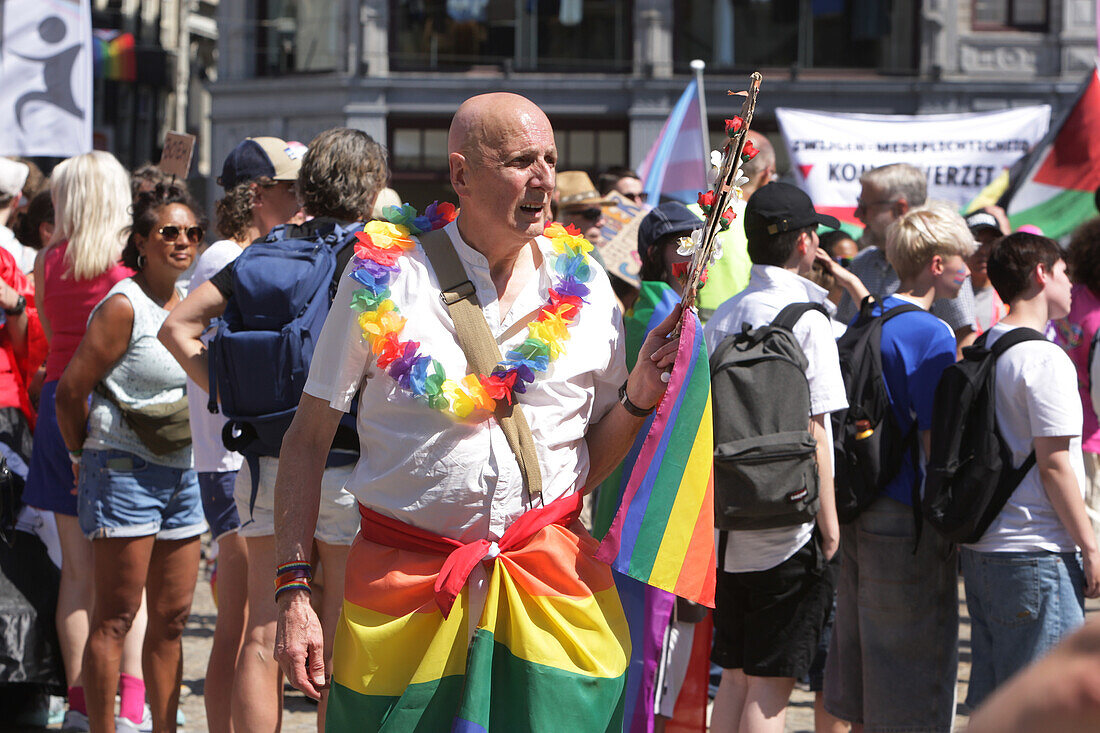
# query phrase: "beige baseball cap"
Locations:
[[254, 157]]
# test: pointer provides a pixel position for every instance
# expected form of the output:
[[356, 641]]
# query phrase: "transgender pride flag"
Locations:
[[674, 167]]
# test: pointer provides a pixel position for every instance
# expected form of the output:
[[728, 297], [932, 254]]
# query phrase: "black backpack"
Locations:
[[868, 442], [970, 473], [765, 465]]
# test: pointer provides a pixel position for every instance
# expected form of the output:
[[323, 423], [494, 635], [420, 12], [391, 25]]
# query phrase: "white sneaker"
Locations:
[[125, 725], [146, 724], [75, 721]]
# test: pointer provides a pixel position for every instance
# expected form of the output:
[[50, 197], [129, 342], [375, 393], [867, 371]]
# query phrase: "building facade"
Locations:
[[609, 71]]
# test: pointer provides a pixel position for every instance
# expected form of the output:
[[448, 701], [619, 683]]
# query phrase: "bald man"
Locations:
[[472, 597]]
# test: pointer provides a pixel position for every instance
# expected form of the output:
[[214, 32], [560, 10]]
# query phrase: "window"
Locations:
[[524, 35], [587, 149], [297, 36], [1020, 15], [750, 34]]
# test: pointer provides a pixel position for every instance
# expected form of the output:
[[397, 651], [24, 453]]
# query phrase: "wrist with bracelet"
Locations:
[[74, 455], [630, 407], [293, 575]]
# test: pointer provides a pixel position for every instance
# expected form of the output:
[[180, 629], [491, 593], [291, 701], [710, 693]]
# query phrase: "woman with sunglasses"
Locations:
[[138, 495]]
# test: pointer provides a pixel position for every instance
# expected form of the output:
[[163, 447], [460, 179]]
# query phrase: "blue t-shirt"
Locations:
[[916, 348]]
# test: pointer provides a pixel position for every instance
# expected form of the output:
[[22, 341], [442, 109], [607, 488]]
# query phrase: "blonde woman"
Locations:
[[91, 199]]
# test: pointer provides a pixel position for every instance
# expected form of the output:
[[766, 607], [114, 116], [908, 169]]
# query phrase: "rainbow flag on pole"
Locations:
[[113, 55], [1054, 186], [663, 533], [674, 168]]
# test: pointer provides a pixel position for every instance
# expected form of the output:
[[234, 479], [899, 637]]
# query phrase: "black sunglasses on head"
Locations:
[[172, 232]]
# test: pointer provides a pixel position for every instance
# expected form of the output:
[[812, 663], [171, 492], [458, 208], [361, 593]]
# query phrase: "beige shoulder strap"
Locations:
[[480, 347]]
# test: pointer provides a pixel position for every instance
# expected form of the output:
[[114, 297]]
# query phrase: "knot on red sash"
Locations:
[[463, 558]]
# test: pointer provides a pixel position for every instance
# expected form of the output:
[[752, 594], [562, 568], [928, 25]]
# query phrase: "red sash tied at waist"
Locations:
[[463, 558]]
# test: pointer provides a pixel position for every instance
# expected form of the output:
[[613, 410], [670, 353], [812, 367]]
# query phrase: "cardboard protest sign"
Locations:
[[175, 159], [620, 234]]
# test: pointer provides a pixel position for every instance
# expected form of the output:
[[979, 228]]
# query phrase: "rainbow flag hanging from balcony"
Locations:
[[663, 533], [114, 55]]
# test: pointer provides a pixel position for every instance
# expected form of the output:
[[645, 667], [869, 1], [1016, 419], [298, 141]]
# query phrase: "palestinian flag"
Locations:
[[1054, 186]]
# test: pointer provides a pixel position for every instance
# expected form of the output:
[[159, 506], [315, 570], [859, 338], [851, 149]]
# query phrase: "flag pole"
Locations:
[[697, 65]]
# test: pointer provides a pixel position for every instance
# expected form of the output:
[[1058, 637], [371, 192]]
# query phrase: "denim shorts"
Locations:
[[218, 505], [893, 658], [1021, 605], [123, 495]]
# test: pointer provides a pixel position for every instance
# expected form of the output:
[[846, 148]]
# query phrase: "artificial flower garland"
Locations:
[[377, 255]]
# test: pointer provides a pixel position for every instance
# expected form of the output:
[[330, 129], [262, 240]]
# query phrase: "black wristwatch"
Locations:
[[630, 406], [20, 306]]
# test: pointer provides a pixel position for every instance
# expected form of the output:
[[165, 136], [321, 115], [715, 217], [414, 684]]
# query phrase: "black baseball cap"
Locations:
[[781, 207], [980, 220], [671, 217]]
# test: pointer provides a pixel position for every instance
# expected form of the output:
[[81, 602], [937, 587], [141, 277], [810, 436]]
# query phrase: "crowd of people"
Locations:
[[352, 398]]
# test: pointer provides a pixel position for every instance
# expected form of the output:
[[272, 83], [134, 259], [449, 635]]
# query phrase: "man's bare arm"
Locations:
[[299, 643], [827, 522], [1060, 484]]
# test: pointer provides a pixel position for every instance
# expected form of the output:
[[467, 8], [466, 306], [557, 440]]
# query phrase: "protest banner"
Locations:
[[175, 157], [46, 78], [620, 235], [960, 153]]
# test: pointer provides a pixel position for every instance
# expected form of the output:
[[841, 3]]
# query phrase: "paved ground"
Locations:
[[299, 714]]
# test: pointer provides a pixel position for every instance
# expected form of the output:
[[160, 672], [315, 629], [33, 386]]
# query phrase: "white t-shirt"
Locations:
[[770, 289], [1036, 398], [24, 255], [456, 478], [211, 456]]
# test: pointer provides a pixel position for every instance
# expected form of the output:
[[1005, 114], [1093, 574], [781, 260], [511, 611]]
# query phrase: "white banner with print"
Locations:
[[45, 77], [960, 153]]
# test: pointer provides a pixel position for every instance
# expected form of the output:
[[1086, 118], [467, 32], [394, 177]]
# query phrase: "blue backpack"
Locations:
[[261, 347]]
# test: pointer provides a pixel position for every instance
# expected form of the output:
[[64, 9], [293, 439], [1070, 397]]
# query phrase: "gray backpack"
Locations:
[[765, 460]]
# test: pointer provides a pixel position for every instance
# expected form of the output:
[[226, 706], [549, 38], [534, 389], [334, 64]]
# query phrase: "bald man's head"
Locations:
[[503, 161], [483, 122], [760, 169]]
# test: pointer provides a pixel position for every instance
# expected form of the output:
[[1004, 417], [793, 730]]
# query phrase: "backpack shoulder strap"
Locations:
[[791, 314], [479, 346], [1013, 337]]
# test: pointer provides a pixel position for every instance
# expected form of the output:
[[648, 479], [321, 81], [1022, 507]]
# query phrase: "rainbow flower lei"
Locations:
[[377, 256]]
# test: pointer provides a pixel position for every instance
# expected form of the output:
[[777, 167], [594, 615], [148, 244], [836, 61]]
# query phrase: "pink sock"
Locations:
[[132, 692], [76, 700]]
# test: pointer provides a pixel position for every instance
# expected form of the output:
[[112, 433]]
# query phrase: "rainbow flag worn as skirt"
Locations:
[[548, 653]]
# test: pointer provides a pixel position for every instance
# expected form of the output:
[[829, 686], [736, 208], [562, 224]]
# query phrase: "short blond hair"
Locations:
[[920, 234]]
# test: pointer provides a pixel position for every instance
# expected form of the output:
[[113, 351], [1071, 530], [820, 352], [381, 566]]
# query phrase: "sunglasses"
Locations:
[[172, 232], [591, 214], [844, 262]]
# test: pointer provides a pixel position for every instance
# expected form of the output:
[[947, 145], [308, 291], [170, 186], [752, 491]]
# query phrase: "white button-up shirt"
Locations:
[[461, 479]]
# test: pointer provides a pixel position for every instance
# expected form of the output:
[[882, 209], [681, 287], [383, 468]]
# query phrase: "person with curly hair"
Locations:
[[340, 176], [1075, 333], [131, 450]]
